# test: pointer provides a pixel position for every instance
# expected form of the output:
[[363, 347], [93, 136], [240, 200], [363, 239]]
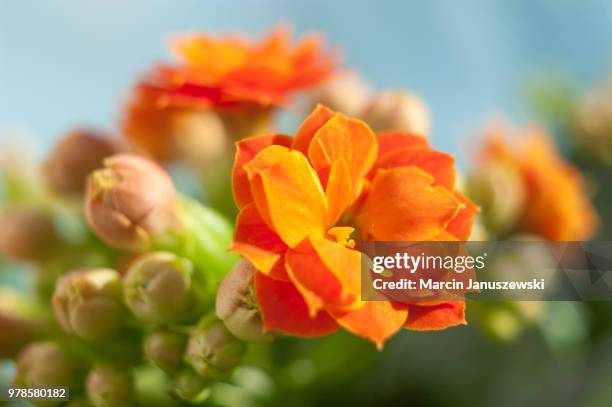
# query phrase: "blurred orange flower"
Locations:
[[304, 200], [556, 204], [232, 76]]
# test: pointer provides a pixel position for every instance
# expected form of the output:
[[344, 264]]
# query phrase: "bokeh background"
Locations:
[[71, 62], [68, 63]]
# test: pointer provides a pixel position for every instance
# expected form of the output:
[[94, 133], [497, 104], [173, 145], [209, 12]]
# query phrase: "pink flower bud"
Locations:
[[236, 305], [212, 350], [191, 387], [346, 92], [398, 111], [87, 302], [110, 386], [165, 349], [27, 233], [130, 201], [74, 158], [161, 288], [43, 364]]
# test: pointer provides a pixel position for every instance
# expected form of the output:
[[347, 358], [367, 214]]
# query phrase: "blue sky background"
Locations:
[[66, 63]]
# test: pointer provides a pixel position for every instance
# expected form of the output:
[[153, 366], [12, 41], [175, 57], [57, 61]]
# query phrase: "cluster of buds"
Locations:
[[162, 300]]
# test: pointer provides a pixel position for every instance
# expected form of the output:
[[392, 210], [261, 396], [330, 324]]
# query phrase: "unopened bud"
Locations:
[[110, 386], [212, 350], [74, 158], [87, 302], [27, 233], [398, 111], [130, 201], [160, 288], [236, 305], [43, 364], [165, 349], [346, 93], [191, 387]]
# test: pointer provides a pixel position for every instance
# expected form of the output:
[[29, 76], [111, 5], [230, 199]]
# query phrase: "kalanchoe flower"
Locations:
[[27, 233], [303, 199], [556, 205], [87, 302], [162, 288], [130, 201], [165, 349], [239, 79], [212, 350], [42, 364], [191, 387], [110, 386], [236, 305], [398, 111], [74, 158]]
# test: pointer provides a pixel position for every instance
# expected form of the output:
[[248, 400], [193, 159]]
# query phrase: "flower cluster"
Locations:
[[140, 277]]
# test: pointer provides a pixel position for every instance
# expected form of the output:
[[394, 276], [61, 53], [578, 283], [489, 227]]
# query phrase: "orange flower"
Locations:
[[556, 204], [233, 76], [304, 200]]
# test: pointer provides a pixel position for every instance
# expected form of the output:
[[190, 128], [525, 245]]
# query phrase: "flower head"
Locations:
[[227, 75], [556, 205], [305, 200]]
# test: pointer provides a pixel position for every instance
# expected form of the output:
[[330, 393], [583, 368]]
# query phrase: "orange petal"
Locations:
[[288, 194], [461, 226], [345, 138], [436, 317], [338, 191], [261, 246], [283, 309], [325, 273], [403, 204], [309, 127], [436, 163], [374, 320], [389, 141], [246, 150]]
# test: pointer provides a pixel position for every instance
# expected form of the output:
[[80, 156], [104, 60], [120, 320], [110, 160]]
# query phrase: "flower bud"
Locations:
[[165, 349], [110, 386], [212, 350], [87, 302], [73, 158], [27, 233], [236, 305], [161, 288], [43, 364], [130, 201], [346, 93], [191, 387], [398, 111]]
